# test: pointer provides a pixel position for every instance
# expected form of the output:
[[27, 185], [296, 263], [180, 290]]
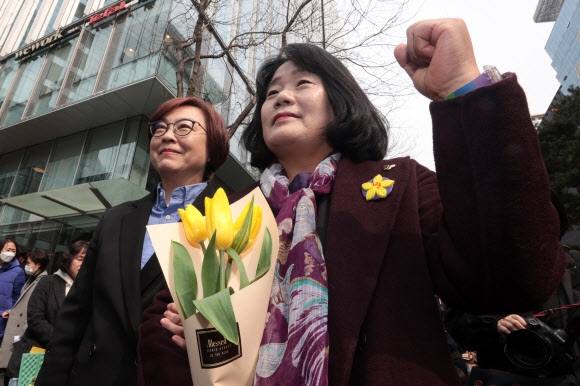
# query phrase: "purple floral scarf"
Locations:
[[294, 348]]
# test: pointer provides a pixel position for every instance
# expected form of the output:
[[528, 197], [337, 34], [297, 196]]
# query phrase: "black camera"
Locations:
[[540, 350]]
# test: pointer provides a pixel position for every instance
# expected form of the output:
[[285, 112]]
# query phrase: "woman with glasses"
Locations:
[[95, 337], [44, 303]]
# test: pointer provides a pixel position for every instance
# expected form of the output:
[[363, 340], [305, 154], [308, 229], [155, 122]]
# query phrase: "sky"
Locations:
[[503, 34]]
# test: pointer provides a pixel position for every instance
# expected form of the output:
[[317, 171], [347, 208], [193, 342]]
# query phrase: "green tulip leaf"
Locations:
[[218, 310], [228, 268], [210, 270], [243, 235], [243, 275], [265, 256], [184, 279]]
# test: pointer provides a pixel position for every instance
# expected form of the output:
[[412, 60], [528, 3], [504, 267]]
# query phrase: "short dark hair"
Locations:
[[23, 251], [218, 143], [39, 256], [69, 255], [5, 240], [358, 130]]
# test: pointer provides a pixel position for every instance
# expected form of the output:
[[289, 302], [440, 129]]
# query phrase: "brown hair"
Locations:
[[218, 143]]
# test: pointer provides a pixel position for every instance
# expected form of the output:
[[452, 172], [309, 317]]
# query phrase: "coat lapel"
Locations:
[[357, 237], [28, 286], [59, 286], [131, 247]]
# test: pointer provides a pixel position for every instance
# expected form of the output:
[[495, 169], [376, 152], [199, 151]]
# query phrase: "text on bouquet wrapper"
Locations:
[[215, 350]]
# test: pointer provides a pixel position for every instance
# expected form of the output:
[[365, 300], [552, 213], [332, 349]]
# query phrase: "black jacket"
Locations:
[[95, 336]]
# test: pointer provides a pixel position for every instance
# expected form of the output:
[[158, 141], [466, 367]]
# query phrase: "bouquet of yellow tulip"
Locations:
[[229, 307], [229, 240]]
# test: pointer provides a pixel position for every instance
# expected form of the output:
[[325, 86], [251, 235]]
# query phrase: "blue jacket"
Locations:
[[12, 280]]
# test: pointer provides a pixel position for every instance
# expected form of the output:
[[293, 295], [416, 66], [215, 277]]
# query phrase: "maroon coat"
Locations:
[[483, 236]]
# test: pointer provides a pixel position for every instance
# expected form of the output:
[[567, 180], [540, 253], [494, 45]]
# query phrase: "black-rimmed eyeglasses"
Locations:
[[182, 127]]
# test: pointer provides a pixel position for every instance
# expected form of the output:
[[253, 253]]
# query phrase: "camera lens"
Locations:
[[527, 349]]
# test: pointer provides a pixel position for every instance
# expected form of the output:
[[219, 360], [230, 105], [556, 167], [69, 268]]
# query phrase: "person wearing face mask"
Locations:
[[44, 303], [35, 268], [11, 278]]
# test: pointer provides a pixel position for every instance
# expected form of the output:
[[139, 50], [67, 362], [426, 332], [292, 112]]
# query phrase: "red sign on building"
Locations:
[[108, 12]]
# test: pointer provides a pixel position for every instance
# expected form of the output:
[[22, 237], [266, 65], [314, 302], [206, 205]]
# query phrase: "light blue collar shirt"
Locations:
[[161, 213]]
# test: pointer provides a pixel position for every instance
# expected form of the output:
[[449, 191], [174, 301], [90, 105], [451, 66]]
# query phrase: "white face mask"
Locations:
[[7, 256], [29, 270]]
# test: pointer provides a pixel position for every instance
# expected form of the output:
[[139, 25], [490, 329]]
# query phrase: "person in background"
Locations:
[[12, 278], [95, 335], [486, 334], [21, 255], [35, 268], [44, 305], [366, 242]]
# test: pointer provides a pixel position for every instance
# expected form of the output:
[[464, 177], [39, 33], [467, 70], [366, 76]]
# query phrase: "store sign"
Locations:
[[33, 47], [108, 12]]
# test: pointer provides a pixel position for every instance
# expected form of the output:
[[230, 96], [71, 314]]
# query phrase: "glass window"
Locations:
[[212, 91], [8, 167], [141, 159], [133, 54], [17, 217], [98, 159], [52, 78], [80, 12], [22, 89], [166, 72], [127, 148], [63, 162], [86, 63], [6, 76], [32, 169]]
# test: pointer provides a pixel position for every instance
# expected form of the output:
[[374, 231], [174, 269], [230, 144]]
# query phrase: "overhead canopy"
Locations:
[[139, 98], [89, 199]]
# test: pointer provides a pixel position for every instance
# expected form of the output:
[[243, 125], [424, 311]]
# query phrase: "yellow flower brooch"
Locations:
[[378, 187]]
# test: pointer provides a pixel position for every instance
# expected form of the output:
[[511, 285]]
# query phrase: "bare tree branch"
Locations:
[[236, 124], [217, 46]]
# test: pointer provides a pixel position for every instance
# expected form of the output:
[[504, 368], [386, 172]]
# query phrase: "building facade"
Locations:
[[78, 81], [563, 45]]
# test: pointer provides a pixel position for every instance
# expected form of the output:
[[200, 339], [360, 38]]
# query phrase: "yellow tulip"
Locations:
[[242, 217], [193, 224], [256, 223], [209, 227], [254, 226], [219, 219]]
